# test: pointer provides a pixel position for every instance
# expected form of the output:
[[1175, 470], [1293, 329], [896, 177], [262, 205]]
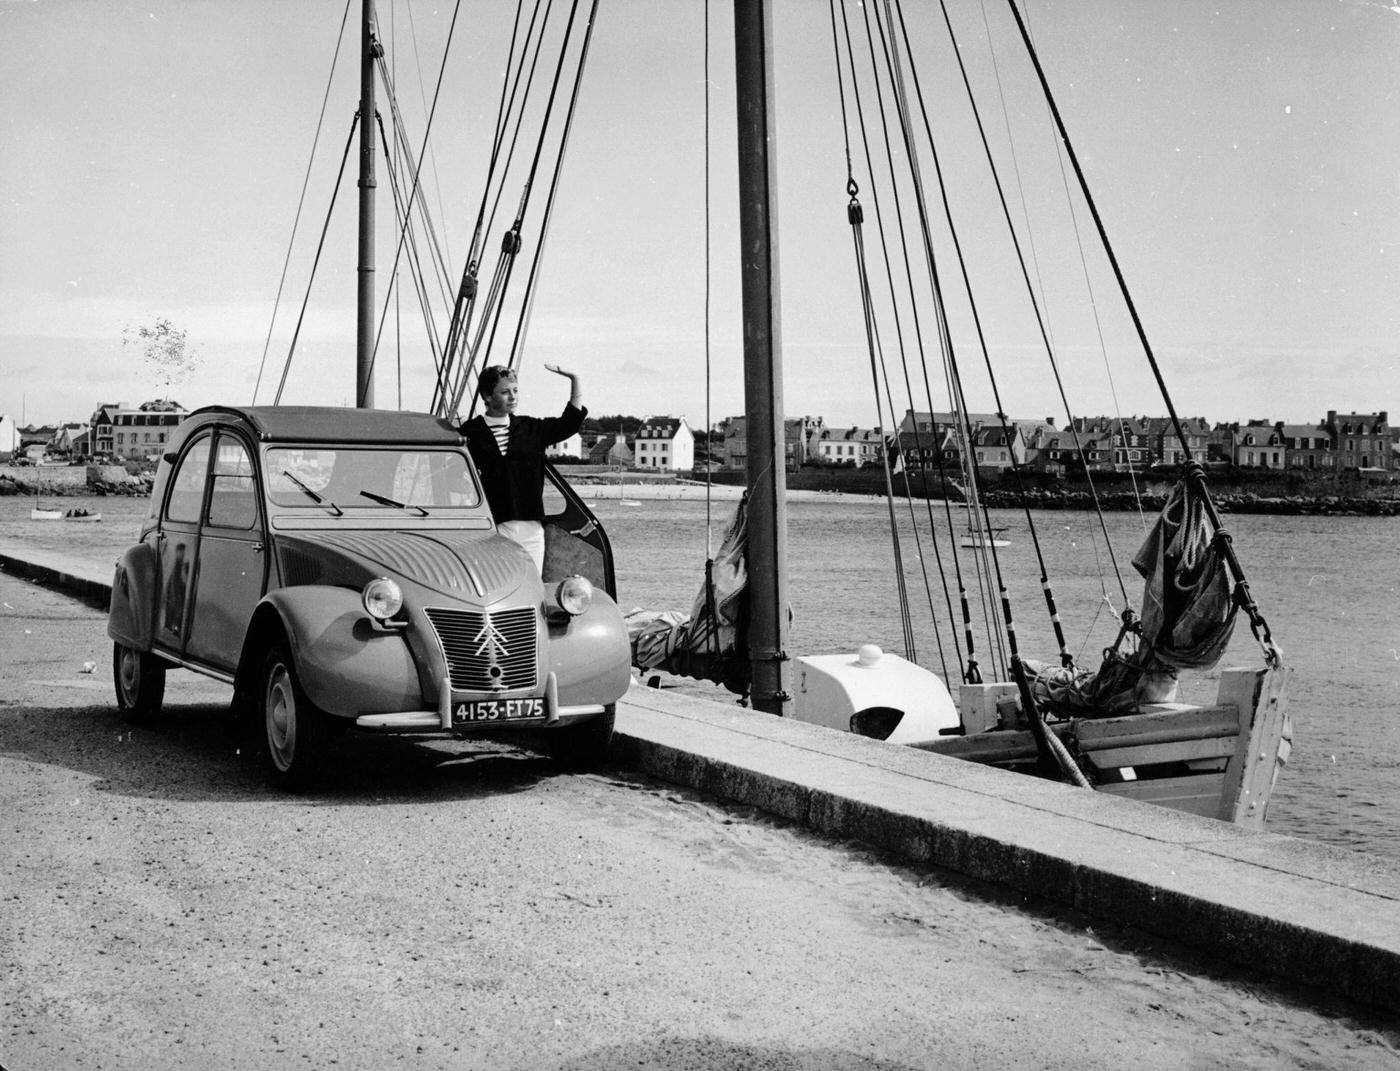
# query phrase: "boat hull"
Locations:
[[1219, 761], [61, 515]]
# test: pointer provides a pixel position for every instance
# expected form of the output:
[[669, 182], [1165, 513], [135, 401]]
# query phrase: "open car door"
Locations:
[[574, 540]]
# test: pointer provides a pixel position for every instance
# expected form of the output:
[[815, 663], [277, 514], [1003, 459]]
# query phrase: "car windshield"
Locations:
[[416, 480]]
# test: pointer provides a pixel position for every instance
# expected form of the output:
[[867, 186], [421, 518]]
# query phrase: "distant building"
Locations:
[[798, 434], [66, 439], [997, 447], [931, 451], [9, 437], [665, 443], [926, 423], [36, 435], [570, 447], [1166, 443], [1361, 440], [854, 446], [1307, 446], [1258, 444], [1035, 435], [123, 432], [610, 450]]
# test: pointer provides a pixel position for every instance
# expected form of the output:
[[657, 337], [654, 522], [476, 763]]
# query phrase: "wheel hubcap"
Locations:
[[129, 675], [281, 717]]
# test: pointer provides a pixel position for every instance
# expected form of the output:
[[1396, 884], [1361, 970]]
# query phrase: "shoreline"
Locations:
[[645, 487]]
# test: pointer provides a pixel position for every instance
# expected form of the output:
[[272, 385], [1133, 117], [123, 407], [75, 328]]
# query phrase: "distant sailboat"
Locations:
[[988, 537]]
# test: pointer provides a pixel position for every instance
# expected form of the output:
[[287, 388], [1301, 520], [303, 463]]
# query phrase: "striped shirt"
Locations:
[[500, 428]]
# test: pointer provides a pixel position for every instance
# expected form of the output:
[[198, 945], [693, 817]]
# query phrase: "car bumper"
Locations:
[[441, 721]]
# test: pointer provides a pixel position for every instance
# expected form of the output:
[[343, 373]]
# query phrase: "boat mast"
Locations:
[[763, 379], [364, 301]]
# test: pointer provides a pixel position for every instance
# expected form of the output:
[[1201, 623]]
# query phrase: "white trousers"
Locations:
[[530, 535]]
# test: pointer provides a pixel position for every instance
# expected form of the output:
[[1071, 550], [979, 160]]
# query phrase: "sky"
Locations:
[[1244, 156]]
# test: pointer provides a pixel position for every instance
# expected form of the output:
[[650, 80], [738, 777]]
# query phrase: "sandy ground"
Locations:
[[450, 906]]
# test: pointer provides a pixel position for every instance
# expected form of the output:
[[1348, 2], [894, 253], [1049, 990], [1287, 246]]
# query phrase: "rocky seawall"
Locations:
[[1225, 502], [53, 481]]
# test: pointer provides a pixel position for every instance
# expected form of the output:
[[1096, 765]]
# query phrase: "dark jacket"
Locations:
[[514, 484]]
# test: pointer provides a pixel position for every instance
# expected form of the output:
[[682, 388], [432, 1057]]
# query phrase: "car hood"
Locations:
[[479, 566]]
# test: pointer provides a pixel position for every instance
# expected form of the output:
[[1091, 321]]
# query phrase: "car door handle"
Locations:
[[257, 548]]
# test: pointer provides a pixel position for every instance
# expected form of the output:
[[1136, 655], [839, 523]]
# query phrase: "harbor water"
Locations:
[[1327, 587]]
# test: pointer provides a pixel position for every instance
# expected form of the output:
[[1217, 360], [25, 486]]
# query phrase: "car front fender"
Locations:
[[591, 656], [347, 664], [131, 612]]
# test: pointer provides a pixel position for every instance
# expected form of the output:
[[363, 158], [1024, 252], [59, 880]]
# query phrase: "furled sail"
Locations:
[[1187, 619], [708, 644]]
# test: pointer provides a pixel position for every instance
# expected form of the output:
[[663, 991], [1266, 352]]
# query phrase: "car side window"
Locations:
[[554, 501], [233, 502], [187, 486]]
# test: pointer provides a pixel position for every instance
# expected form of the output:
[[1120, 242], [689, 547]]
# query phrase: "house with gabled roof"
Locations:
[[1258, 444], [65, 438], [1166, 443], [611, 450], [998, 447], [664, 443]]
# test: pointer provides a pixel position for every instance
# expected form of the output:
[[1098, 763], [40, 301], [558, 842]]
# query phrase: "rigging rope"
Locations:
[[301, 201], [1030, 289], [320, 246], [988, 543], [511, 244], [465, 302], [532, 279], [709, 443], [413, 193], [1194, 470], [853, 211], [952, 373]]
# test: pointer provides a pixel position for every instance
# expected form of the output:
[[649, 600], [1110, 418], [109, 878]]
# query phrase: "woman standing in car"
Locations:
[[509, 453]]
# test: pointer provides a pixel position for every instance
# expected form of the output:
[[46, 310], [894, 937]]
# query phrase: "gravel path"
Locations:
[[445, 906]]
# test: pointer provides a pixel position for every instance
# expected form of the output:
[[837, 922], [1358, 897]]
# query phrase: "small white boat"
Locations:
[[42, 514], [990, 538]]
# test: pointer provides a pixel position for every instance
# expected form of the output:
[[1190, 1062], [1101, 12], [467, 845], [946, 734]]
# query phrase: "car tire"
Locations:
[[584, 746], [294, 731], [139, 678]]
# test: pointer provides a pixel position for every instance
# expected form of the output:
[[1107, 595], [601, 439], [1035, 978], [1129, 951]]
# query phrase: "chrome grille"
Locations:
[[485, 651]]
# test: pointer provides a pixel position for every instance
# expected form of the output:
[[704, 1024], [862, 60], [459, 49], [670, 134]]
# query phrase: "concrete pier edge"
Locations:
[[1307, 913]]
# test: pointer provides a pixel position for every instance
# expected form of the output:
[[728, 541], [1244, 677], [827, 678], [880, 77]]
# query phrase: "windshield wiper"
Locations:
[[390, 502], [314, 496]]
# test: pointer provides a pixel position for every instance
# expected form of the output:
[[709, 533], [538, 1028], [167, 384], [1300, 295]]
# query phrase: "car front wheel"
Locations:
[[294, 728], [140, 682]]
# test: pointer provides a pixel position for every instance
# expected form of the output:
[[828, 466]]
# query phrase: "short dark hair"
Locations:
[[490, 376]]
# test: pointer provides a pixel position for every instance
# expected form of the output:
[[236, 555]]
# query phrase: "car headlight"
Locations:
[[574, 595], [382, 598]]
